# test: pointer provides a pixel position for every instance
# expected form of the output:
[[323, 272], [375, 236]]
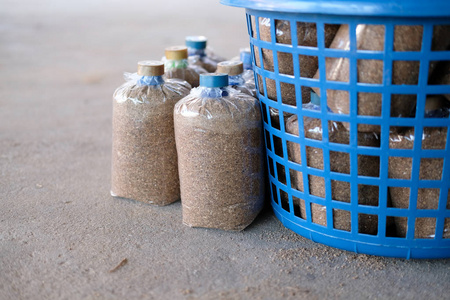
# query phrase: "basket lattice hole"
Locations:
[[370, 137], [340, 190], [267, 57], [306, 34], [405, 72], [281, 173], [337, 36], [313, 128], [400, 167], [425, 228], [284, 200], [337, 132], [283, 32], [260, 85], [274, 117], [264, 29], [440, 73], [256, 58], [439, 41], [291, 125], [264, 112], [401, 137], [253, 31], [339, 101], [434, 138], [431, 168], [308, 66], [268, 144], [337, 69], [368, 165], [428, 198], [390, 227], [448, 200], [369, 104], [274, 193], [271, 89], [399, 196], [270, 166], [296, 179], [285, 64], [310, 107], [340, 162], [299, 207], [316, 186], [446, 233], [370, 71], [293, 152], [437, 106], [288, 93], [278, 145], [403, 105], [401, 226], [368, 224], [368, 194], [306, 94], [314, 157], [367, 135], [318, 214], [370, 37], [408, 37], [342, 219]]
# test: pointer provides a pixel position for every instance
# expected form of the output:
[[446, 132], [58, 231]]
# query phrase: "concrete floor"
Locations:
[[60, 230]]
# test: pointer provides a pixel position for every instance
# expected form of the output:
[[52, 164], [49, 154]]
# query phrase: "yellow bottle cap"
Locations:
[[176, 52], [150, 68]]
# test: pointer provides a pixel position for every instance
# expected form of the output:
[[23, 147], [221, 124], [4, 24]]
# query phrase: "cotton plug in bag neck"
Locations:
[[150, 72], [177, 65], [235, 71]]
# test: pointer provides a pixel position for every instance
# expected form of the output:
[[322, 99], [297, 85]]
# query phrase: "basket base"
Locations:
[[359, 247]]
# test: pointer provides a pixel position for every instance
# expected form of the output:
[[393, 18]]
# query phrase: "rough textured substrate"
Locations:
[[61, 232]]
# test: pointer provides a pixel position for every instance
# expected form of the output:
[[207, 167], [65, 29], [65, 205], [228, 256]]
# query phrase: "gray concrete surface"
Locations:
[[61, 232]]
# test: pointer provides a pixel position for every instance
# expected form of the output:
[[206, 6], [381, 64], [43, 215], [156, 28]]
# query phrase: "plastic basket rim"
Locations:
[[399, 8]]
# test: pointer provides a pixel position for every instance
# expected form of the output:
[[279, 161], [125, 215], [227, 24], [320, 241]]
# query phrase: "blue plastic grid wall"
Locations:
[[379, 244]]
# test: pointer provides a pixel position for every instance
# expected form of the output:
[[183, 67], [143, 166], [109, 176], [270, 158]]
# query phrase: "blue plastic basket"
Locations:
[[426, 14]]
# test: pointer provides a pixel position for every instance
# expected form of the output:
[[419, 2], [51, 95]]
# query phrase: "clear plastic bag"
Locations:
[[220, 152], [144, 159], [248, 75], [340, 163], [177, 65], [235, 71]]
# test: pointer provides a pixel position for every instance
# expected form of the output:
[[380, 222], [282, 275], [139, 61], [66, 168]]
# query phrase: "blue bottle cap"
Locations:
[[246, 56], [196, 42], [214, 80], [315, 99]]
